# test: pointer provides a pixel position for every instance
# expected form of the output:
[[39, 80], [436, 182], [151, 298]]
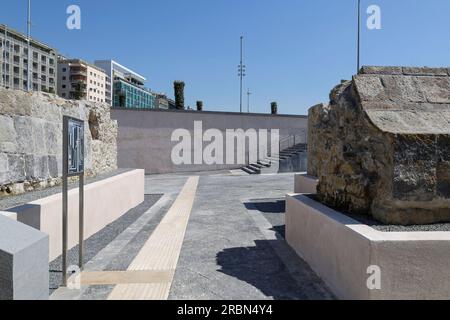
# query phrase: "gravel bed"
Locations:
[[437, 227]]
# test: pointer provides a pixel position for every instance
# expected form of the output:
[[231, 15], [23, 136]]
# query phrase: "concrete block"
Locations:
[[413, 265], [23, 262], [105, 201], [10, 215]]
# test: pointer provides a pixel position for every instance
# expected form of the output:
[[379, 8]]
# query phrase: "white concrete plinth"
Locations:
[[104, 202], [413, 265], [305, 183]]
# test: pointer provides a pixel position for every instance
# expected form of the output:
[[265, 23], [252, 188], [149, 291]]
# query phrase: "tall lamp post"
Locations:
[[241, 70], [359, 38], [248, 100]]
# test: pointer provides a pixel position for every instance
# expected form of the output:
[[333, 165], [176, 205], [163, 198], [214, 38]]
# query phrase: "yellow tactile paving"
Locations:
[[161, 251], [125, 277]]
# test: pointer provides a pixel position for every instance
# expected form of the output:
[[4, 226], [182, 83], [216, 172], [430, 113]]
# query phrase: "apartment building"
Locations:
[[18, 67], [78, 79], [127, 87]]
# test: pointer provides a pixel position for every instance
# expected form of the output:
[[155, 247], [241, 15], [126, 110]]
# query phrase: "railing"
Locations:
[[293, 140], [286, 142]]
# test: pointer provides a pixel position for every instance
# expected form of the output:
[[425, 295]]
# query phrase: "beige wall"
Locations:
[[144, 138], [96, 85]]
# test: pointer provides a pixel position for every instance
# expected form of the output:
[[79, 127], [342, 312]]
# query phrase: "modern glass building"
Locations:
[[128, 95], [127, 88]]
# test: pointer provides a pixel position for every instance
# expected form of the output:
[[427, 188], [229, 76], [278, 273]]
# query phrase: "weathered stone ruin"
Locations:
[[382, 146], [31, 139]]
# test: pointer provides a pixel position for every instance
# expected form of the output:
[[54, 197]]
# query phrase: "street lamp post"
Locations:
[[248, 100], [241, 69]]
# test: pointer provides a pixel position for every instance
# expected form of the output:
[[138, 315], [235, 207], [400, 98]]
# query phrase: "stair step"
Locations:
[[254, 168], [265, 164], [249, 171]]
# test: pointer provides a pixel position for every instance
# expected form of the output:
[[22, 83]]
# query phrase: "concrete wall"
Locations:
[[144, 137], [104, 202], [342, 251]]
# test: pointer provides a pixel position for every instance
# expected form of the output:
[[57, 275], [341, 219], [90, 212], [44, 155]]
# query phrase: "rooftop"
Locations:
[[24, 37]]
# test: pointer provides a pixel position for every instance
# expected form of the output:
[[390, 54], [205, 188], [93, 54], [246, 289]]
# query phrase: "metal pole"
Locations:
[[241, 74], [29, 47], [81, 220], [359, 37], [65, 203], [248, 100]]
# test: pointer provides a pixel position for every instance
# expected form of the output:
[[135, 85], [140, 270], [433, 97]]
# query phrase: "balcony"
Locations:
[[78, 78], [78, 71]]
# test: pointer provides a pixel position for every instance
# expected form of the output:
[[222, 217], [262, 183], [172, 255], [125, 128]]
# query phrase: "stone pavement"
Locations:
[[209, 236]]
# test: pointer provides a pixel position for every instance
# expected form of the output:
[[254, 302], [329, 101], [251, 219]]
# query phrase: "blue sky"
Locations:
[[295, 50]]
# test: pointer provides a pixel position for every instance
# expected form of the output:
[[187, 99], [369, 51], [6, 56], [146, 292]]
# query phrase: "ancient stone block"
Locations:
[[25, 138], [53, 166], [31, 138], [16, 167], [382, 146]]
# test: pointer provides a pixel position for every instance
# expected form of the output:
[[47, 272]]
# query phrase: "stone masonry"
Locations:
[[31, 139], [382, 146]]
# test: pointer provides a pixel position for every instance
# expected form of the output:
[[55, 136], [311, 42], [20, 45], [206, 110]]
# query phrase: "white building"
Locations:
[[73, 72]]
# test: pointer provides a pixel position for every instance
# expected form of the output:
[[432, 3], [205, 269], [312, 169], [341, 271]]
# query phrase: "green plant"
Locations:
[[79, 91], [274, 108], [199, 105], [179, 94]]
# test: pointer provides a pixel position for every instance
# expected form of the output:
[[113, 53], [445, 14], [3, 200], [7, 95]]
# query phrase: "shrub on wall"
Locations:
[[274, 108], [179, 94], [79, 91]]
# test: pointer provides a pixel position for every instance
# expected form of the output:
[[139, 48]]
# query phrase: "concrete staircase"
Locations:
[[289, 160]]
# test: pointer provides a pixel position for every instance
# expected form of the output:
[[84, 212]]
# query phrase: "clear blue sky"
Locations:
[[295, 50]]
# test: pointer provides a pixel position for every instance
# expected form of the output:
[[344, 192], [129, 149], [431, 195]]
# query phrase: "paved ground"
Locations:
[[233, 248]]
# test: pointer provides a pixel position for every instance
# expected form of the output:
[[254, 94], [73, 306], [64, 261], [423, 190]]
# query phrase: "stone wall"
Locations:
[[382, 145], [31, 139]]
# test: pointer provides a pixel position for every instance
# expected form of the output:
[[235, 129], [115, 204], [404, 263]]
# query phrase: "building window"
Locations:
[[64, 86], [64, 78], [64, 94], [64, 69]]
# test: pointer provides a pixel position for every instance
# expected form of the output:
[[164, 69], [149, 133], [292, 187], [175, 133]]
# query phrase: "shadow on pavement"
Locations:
[[260, 267], [270, 206]]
